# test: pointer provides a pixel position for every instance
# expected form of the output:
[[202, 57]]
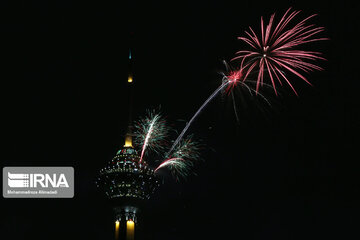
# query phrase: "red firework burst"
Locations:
[[233, 77], [275, 50]]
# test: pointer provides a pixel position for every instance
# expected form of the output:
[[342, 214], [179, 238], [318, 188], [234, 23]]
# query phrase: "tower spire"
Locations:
[[130, 80]]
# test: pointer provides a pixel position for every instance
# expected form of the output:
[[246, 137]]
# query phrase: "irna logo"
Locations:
[[38, 182], [20, 180]]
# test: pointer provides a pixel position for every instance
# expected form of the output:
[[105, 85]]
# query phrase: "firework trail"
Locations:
[[274, 51], [221, 87], [148, 135], [172, 161], [178, 167], [229, 80], [151, 132]]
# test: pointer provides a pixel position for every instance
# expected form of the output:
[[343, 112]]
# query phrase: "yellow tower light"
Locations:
[[117, 229], [128, 141], [130, 78], [130, 230]]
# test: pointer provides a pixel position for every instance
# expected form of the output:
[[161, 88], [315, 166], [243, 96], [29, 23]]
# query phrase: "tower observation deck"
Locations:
[[127, 183]]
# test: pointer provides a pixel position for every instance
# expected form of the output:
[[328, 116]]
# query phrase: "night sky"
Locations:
[[285, 171]]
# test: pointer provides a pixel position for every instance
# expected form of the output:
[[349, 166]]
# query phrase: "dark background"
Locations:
[[285, 171]]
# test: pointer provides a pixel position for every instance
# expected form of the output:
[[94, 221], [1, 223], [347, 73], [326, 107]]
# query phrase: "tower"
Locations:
[[127, 183]]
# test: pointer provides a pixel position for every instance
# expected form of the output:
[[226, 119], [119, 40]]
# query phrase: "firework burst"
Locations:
[[151, 133], [183, 158], [275, 50]]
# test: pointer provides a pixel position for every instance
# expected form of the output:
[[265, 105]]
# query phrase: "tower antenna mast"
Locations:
[[130, 82]]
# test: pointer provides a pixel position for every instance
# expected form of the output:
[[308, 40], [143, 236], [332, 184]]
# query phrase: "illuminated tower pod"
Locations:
[[127, 183]]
